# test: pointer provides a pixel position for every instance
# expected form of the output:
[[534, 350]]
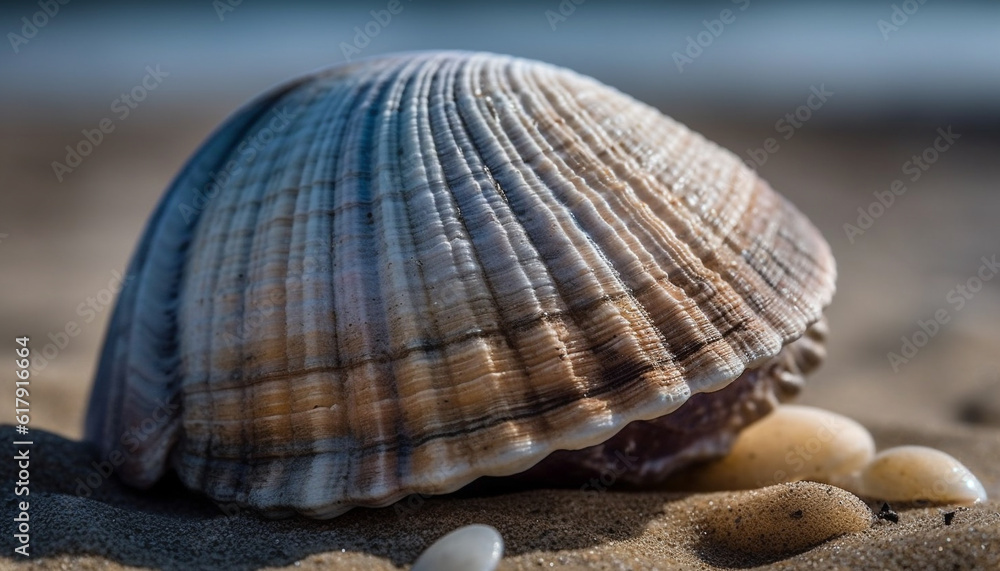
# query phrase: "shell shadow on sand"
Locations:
[[76, 513], [168, 527]]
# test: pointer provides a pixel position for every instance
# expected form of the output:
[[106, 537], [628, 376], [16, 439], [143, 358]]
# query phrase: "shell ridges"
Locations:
[[426, 268]]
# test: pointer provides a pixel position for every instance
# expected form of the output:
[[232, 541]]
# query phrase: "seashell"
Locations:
[[402, 274]]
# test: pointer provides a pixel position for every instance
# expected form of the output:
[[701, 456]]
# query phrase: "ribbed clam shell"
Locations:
[[416, 270]]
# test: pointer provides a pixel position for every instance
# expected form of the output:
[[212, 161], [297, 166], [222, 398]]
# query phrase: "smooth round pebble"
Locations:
[[919, 473], [474, 547], [790, 444], [782, 520]]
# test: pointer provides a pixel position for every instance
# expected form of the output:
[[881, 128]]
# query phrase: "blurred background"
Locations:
[[830, 102]]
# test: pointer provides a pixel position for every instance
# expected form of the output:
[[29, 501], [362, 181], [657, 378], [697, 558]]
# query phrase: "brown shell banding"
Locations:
[[646, 453], [446, 265]]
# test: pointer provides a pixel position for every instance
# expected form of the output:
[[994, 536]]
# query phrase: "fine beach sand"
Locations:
[[167, 528], [64, 241]]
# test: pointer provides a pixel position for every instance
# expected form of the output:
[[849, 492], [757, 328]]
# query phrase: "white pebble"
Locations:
[[918, 473], [471, 548], [790, 444]]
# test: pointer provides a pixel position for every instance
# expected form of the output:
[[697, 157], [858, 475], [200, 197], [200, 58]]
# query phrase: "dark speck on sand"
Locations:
[[80, 520]]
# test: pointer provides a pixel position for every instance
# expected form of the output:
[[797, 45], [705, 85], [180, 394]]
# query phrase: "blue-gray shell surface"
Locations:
[[399, 275]]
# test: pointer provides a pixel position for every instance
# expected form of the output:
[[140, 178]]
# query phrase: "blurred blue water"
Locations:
[[944, 59]]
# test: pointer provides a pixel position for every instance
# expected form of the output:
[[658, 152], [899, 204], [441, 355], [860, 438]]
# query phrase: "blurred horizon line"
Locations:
[[942, 61]]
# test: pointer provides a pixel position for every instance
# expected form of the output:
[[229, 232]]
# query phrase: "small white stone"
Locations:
[[790, 444], [474, 547], [918, 473]]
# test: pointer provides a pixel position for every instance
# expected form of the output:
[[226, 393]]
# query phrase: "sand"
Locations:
[[63, 241], [108, 526]]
